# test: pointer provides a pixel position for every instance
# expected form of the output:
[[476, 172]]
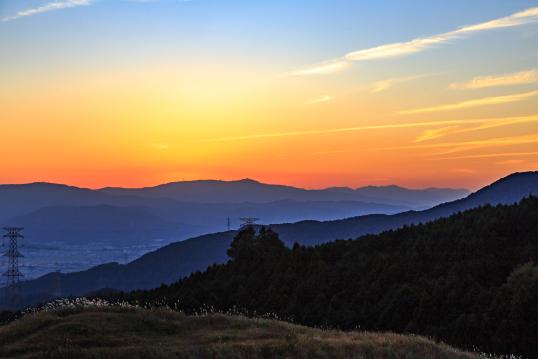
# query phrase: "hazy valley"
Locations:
[[73, 229]]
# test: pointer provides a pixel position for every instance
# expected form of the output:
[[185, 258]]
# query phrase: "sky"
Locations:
[[310, 93]]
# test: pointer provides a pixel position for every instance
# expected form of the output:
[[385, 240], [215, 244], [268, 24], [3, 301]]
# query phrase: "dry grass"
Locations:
[[136, 333]]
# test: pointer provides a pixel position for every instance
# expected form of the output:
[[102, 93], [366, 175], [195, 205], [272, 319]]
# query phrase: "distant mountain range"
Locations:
[[251, 191], [53, 213], [180, 259], [114, 224]]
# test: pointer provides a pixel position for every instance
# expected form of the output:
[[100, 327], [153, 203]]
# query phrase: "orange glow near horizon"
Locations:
[[432, 119], [120, 133]]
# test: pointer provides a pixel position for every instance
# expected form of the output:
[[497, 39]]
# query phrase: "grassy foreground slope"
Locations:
[[138, 333]]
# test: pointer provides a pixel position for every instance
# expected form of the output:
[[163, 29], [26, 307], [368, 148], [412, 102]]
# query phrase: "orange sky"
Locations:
[[424, 117]]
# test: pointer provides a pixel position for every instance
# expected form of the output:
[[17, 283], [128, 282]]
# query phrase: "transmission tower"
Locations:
[[248, 221], [13, 273], [229, 223]]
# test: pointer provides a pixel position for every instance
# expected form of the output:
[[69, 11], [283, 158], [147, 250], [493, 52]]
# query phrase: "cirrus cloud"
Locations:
[[399, 49], [472, 103], [479, 82], [319, 100], [51, 6]]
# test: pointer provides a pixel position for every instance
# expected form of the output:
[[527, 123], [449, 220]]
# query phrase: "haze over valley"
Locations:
[[70, 228]]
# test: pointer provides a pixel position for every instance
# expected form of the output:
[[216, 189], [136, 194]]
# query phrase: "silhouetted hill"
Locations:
[[17, 199], [23, 199], [169, 220], [61, 219], [115, 332], [470, 280], [44, 208], [510, 189], [248, 190], [177, 260]]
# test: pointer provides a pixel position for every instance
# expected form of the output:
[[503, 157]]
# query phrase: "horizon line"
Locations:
[[100, 188]]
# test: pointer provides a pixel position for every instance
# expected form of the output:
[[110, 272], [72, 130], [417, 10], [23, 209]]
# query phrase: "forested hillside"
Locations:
[[470, 280]]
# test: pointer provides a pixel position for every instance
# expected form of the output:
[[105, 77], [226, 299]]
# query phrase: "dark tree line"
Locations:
[[470, 280]]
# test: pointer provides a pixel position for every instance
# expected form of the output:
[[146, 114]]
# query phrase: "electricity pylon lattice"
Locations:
[[248, 221], [13, 273]]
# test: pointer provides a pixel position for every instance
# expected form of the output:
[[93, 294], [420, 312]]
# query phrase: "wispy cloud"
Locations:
[[154, 1], [490, 155], [483, 122], [324, 131], [398, 49], [319, 100], [380, 86], [325, 68], [417, 45], [478, 125], [480, 144], [159, 146], [512, 161], [383, 85], [472, 103], [516, 19], [436, 133], [64, 4], [517, 78], [500, 122], [452, 146], [51, 6]]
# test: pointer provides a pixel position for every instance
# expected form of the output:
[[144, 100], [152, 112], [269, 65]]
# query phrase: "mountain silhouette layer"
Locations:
[[248, 190], [59, 214], [180, 259]]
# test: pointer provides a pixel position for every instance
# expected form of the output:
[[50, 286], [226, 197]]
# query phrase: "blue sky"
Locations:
[[280, 32]]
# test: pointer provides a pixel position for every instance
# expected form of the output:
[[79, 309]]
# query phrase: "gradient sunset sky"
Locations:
[[311, 93]]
